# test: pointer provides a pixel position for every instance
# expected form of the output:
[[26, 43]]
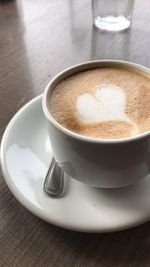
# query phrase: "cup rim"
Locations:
[[75, 135]]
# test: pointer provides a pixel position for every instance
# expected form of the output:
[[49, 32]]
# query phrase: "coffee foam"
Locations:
[[80, 103], [107, 104]]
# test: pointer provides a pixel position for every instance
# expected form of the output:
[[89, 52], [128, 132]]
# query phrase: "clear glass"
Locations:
[[112, 15]]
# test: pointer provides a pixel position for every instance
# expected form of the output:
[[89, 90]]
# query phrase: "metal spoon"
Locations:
[[54, 180]]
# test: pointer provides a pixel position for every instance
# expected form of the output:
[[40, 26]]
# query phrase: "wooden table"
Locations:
[[37, 40]]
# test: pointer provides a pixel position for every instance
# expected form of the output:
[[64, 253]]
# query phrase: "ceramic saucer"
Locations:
[[25, 156]]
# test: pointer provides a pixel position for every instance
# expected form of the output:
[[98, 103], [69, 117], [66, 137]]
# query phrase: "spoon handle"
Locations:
[[54, 180]]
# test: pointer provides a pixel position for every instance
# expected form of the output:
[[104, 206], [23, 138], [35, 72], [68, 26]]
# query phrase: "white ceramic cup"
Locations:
[[102, 163]]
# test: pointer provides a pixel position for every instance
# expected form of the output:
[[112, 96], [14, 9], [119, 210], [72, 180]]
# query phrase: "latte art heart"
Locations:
[[107, 104]]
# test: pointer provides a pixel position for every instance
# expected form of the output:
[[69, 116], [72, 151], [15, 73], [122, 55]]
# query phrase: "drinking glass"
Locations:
[[112, 15]]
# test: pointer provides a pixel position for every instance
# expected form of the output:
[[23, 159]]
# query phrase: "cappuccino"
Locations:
[[104, 103]]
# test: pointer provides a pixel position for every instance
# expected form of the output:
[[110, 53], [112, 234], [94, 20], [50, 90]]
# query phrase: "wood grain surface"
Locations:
[[37, 40]]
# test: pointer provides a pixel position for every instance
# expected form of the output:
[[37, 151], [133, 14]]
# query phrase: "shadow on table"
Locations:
[[124, 248], [106, 45], [6, 1]]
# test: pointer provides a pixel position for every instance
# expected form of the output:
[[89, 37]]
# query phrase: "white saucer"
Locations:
[[25, 156]]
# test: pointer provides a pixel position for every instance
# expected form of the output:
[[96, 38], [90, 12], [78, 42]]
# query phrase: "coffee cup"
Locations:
[[99, 162]]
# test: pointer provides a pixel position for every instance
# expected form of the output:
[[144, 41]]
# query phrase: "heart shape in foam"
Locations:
[[107, 104]]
